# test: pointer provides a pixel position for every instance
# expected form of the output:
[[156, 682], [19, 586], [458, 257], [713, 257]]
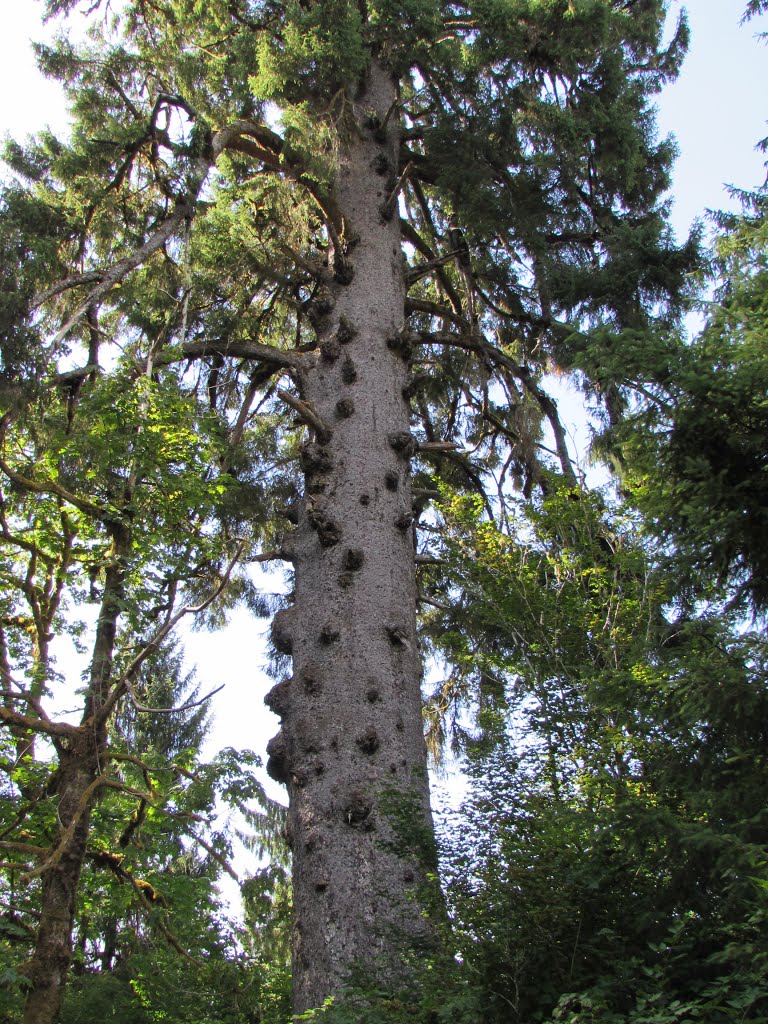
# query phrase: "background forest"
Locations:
[[598, 658]]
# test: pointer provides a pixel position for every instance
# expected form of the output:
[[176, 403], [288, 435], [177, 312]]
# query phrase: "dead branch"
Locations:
[[217, 856], [267, 556], [388, 207], [143, 709], [307, 412], [435, 447], [120, 686]]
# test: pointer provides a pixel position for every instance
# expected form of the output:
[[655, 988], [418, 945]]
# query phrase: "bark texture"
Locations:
[[351, 749], [82, 763], [48, 969]]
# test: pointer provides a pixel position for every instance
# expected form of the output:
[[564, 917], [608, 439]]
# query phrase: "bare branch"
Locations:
[[167, 711], [33, 851], [13, 718], [435, 447], [267, 556], [388, 207], [122, 683], [217, 856], [307, 412], [9, 865]]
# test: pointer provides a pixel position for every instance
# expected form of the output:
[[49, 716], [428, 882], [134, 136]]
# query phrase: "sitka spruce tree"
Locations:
[[358, 236]]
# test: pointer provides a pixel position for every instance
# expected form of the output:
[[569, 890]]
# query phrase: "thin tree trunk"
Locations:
[[82, 760], [48, 968], [351, 749]]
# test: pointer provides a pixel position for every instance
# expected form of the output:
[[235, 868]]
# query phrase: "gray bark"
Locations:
[[351, 749]]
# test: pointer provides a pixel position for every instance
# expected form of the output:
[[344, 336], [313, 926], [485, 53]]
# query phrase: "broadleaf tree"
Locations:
[[106, 496], [358, 236]]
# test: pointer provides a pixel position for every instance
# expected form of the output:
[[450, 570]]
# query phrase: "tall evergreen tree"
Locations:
[[610, 861], [381, 223], [695, 454]]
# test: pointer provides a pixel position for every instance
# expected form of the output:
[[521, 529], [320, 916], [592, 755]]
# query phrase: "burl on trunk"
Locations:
[[351, 749]]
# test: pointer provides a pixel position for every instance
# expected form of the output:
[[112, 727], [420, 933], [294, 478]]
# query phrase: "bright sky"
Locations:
[[717, 110]]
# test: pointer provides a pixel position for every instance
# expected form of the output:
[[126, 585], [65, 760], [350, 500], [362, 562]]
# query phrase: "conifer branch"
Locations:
[[76, 281], [266, 354], [123, 267], [247, 146], [172, 941], [414, 305], [268, 140], [287, 358], [524, 375], [216, 856]]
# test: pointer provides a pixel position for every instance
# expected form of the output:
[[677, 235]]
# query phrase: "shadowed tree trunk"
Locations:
[[351, 749], [82, 766]]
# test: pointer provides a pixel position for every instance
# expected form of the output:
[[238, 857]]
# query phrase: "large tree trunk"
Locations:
[[351, 749]]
